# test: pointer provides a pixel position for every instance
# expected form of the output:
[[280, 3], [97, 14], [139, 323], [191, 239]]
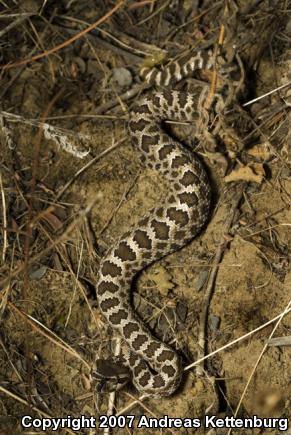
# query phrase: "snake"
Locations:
[[155, 368]]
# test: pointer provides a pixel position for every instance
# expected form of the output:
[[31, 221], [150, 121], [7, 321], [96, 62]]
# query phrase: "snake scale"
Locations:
[[155, 367]]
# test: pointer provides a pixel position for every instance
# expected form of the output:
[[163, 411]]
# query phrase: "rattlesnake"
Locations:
[[156, 368]]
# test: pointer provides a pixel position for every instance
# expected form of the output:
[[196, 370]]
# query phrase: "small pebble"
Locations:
[[38, 273], [214, 322], [201, 280], [122, 77]]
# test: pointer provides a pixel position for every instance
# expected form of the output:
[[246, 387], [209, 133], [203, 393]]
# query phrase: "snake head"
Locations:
[[108, 376]]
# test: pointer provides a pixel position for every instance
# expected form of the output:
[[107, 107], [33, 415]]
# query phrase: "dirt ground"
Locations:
[[71, 184]]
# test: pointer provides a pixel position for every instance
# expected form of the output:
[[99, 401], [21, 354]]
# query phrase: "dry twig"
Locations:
[[5, 241], [212, 277]]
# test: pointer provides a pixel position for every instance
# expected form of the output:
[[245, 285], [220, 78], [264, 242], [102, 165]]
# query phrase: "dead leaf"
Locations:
[[260, 151], [254, 173], [162, 279]]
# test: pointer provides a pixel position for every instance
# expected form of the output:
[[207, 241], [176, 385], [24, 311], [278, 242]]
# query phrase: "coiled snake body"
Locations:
[[156, 368]]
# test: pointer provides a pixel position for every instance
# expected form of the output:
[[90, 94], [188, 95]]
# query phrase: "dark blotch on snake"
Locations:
[[166, 355], [107, 287], [180, 161], [124, 252], [160, 212], [116, 318], [137, 125], [111, 269], [169, 99], [156, 99], [188, 198], [169, 370], [158, 382], [161, 229], [151, 349], [143, 109], [152, 75], [165, 151], [137, 370], [189, 179], [129, 329], [145, 379], [109, 303], [142, 239], [180, 217], [132, 359], [139, 341], [183, 99], [147, 142]]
